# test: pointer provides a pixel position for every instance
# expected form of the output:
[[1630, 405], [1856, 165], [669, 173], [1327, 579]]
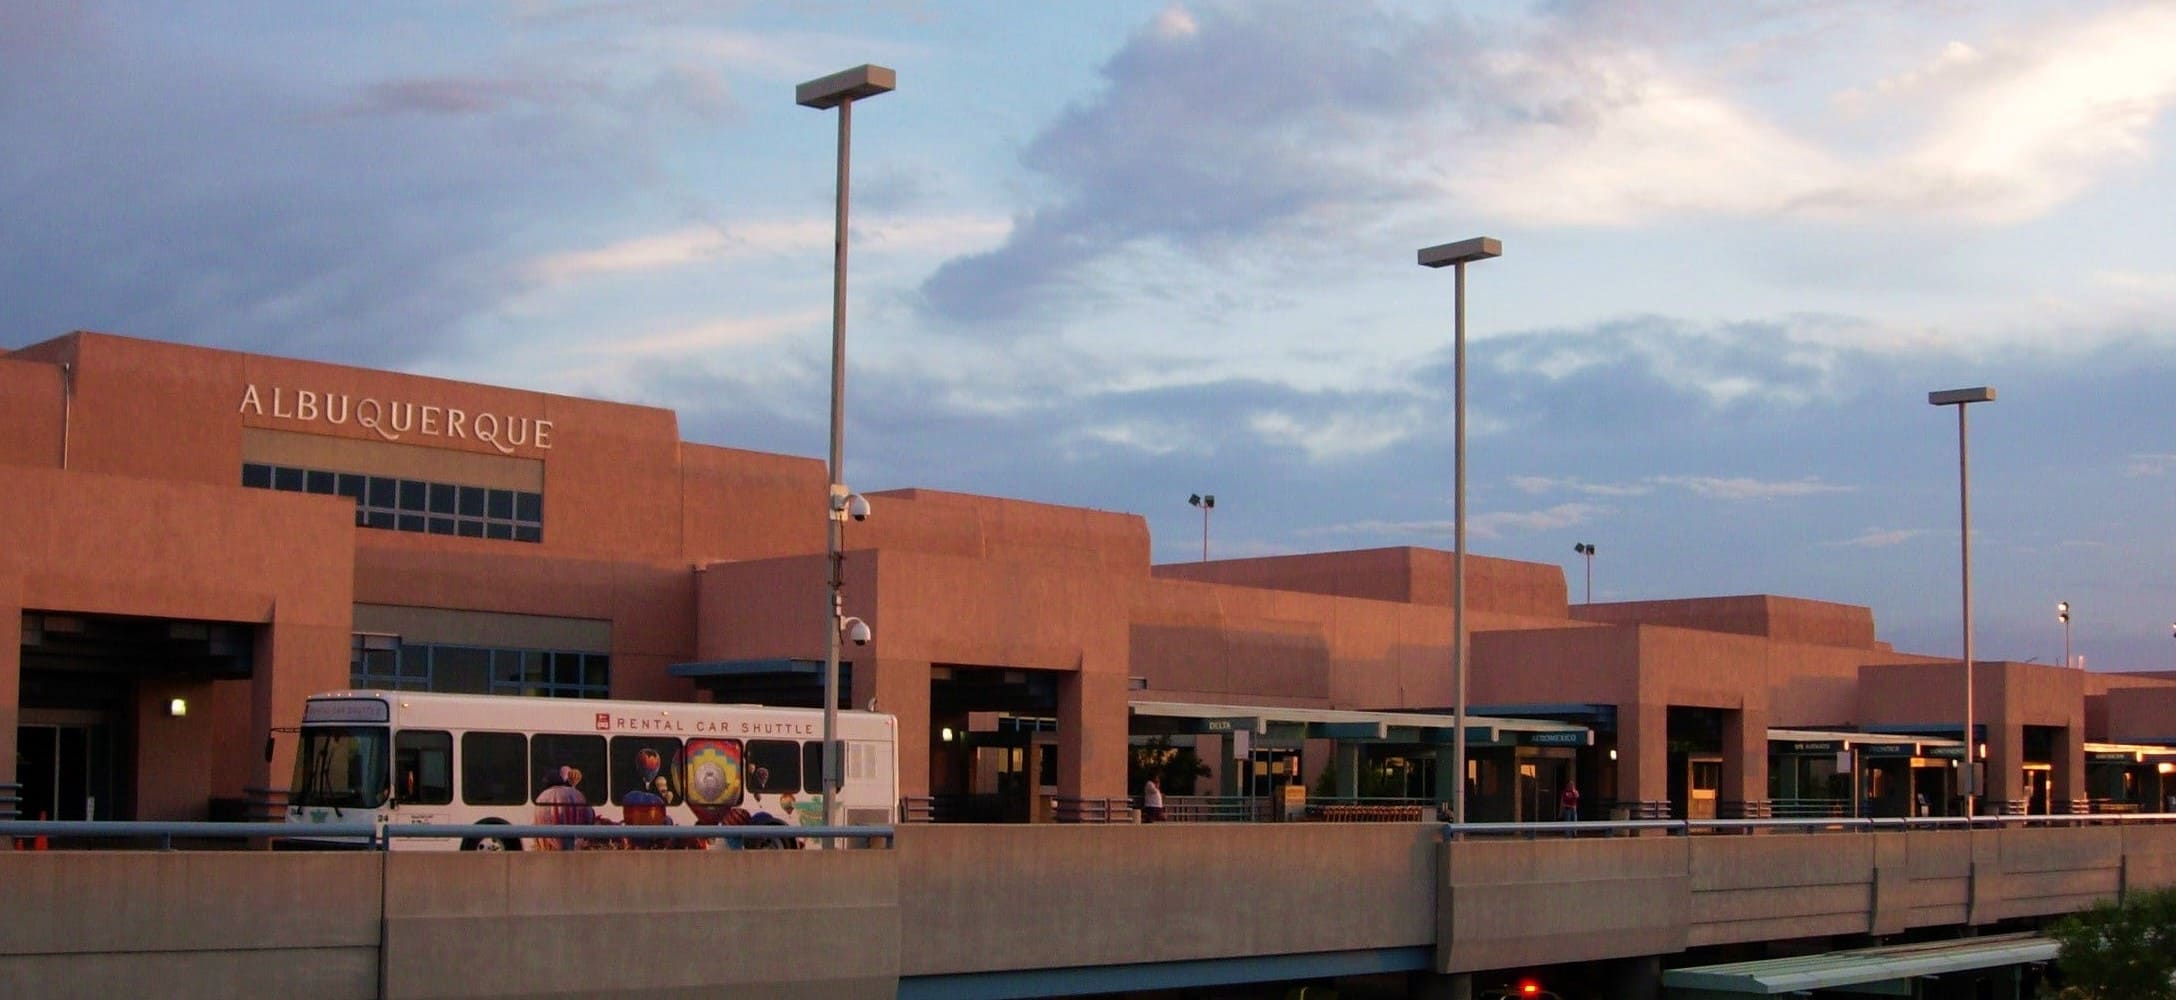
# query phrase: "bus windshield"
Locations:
[[343, 767]]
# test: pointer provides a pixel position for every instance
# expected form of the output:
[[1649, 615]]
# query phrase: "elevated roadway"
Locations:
[[1011, 910]]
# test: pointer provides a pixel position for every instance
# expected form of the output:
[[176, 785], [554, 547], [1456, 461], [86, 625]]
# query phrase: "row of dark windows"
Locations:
[[414, 504], [510, 769], [387, 664]]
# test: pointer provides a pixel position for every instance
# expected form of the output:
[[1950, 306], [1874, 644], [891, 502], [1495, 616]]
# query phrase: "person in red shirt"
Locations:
[[1568, 803]]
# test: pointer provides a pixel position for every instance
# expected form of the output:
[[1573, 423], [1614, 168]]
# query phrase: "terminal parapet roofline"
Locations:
[[320, 527]]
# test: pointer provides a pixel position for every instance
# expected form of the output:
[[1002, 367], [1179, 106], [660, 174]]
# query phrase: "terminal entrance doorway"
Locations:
[[76, 753], [994, 744], [65, 768]]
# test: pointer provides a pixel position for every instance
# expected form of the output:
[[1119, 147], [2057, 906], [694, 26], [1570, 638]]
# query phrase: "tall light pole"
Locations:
[[1962, 400], [1207, 503], [1456, 256], [2062, 614], [1587, 549], [839, 90]]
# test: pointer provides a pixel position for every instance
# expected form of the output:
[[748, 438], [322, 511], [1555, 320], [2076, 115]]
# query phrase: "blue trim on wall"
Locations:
[[1084, 980]]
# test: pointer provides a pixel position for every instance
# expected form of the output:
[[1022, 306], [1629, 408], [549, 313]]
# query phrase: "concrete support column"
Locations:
[[2068, 781], [291, 662], [1745, 763], [2005, 766], [1348, 770], [1448, 782], [11, 682], [1092, 720], [1643, 754], [901, 688], [1636, 978], [1439, 986]]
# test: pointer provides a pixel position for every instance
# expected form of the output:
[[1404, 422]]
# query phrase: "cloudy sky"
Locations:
[[1113, 254]]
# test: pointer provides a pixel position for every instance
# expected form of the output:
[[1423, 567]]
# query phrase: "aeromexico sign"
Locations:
[[398, 419]]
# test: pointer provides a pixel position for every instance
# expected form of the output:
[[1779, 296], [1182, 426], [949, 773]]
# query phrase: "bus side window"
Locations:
[[549, 753], [774, 766], [494, 769], [646, 765], [423, 767]]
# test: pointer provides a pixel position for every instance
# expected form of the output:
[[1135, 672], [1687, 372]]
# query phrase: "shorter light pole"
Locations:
[[1587, 549], [1207, 503], [2062, 614]]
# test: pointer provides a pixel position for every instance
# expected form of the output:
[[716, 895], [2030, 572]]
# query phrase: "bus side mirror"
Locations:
[[268, 749]]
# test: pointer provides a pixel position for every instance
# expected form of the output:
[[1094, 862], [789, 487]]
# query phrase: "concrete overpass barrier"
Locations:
[[643, 924], [1536, 902], [188, 924], [964, 901], [1002, 898]]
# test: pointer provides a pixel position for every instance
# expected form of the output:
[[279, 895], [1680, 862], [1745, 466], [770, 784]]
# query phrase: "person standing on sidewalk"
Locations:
[[1152, 802]]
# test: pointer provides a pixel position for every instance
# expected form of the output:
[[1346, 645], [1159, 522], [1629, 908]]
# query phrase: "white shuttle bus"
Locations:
[[412, 757]]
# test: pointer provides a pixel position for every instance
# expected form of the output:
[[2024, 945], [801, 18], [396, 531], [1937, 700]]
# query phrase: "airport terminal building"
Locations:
[[192, 541]]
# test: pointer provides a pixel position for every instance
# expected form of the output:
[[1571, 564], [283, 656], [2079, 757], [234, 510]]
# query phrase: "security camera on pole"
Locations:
[[840, 90], [2062, 614], [1207, 503]]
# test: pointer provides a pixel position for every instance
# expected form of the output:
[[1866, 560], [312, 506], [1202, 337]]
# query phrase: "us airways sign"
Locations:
[[398, 419]]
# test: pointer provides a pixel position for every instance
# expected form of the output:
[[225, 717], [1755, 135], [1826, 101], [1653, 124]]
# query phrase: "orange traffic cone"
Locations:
[[37, 843]]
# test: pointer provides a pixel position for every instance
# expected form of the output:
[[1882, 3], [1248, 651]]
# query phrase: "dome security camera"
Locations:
[[857, 631], [857, 507]]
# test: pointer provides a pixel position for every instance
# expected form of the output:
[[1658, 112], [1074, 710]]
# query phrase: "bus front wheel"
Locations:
[[494, 844]]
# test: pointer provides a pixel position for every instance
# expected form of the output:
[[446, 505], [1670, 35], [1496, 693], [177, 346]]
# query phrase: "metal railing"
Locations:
[[163, 833], [11, 798], [1216, 809], [590, 836], [1810, 808], [1079, 810], [1882, 824], [364, 834]]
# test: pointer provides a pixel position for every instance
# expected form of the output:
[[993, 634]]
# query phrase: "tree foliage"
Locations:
[[2120, 951], [1174, 768]]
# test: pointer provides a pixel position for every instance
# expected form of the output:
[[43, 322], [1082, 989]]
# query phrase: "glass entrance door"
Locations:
[[66, 771]]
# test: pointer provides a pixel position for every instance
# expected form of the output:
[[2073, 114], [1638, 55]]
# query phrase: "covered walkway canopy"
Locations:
[[1873, 744], [1893, 966], [1170, 718]]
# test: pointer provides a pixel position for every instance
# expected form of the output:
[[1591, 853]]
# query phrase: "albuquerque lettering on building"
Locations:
[[395, 419]]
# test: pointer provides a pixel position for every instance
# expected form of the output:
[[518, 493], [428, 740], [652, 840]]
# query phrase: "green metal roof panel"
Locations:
[[1769, 977]]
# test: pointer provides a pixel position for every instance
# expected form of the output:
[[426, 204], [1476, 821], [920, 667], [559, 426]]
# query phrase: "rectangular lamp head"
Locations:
[[847, 85], [1477, 248], [1957, 397]]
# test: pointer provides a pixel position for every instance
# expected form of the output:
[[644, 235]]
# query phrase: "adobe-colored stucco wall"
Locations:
[[960, 524], [650, 607], [1403, 574], [2142, 715], [31, 401], [174, 412], [96, 544], [749, 504], [2006, 697], [1786, 619], [1217, 642]]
